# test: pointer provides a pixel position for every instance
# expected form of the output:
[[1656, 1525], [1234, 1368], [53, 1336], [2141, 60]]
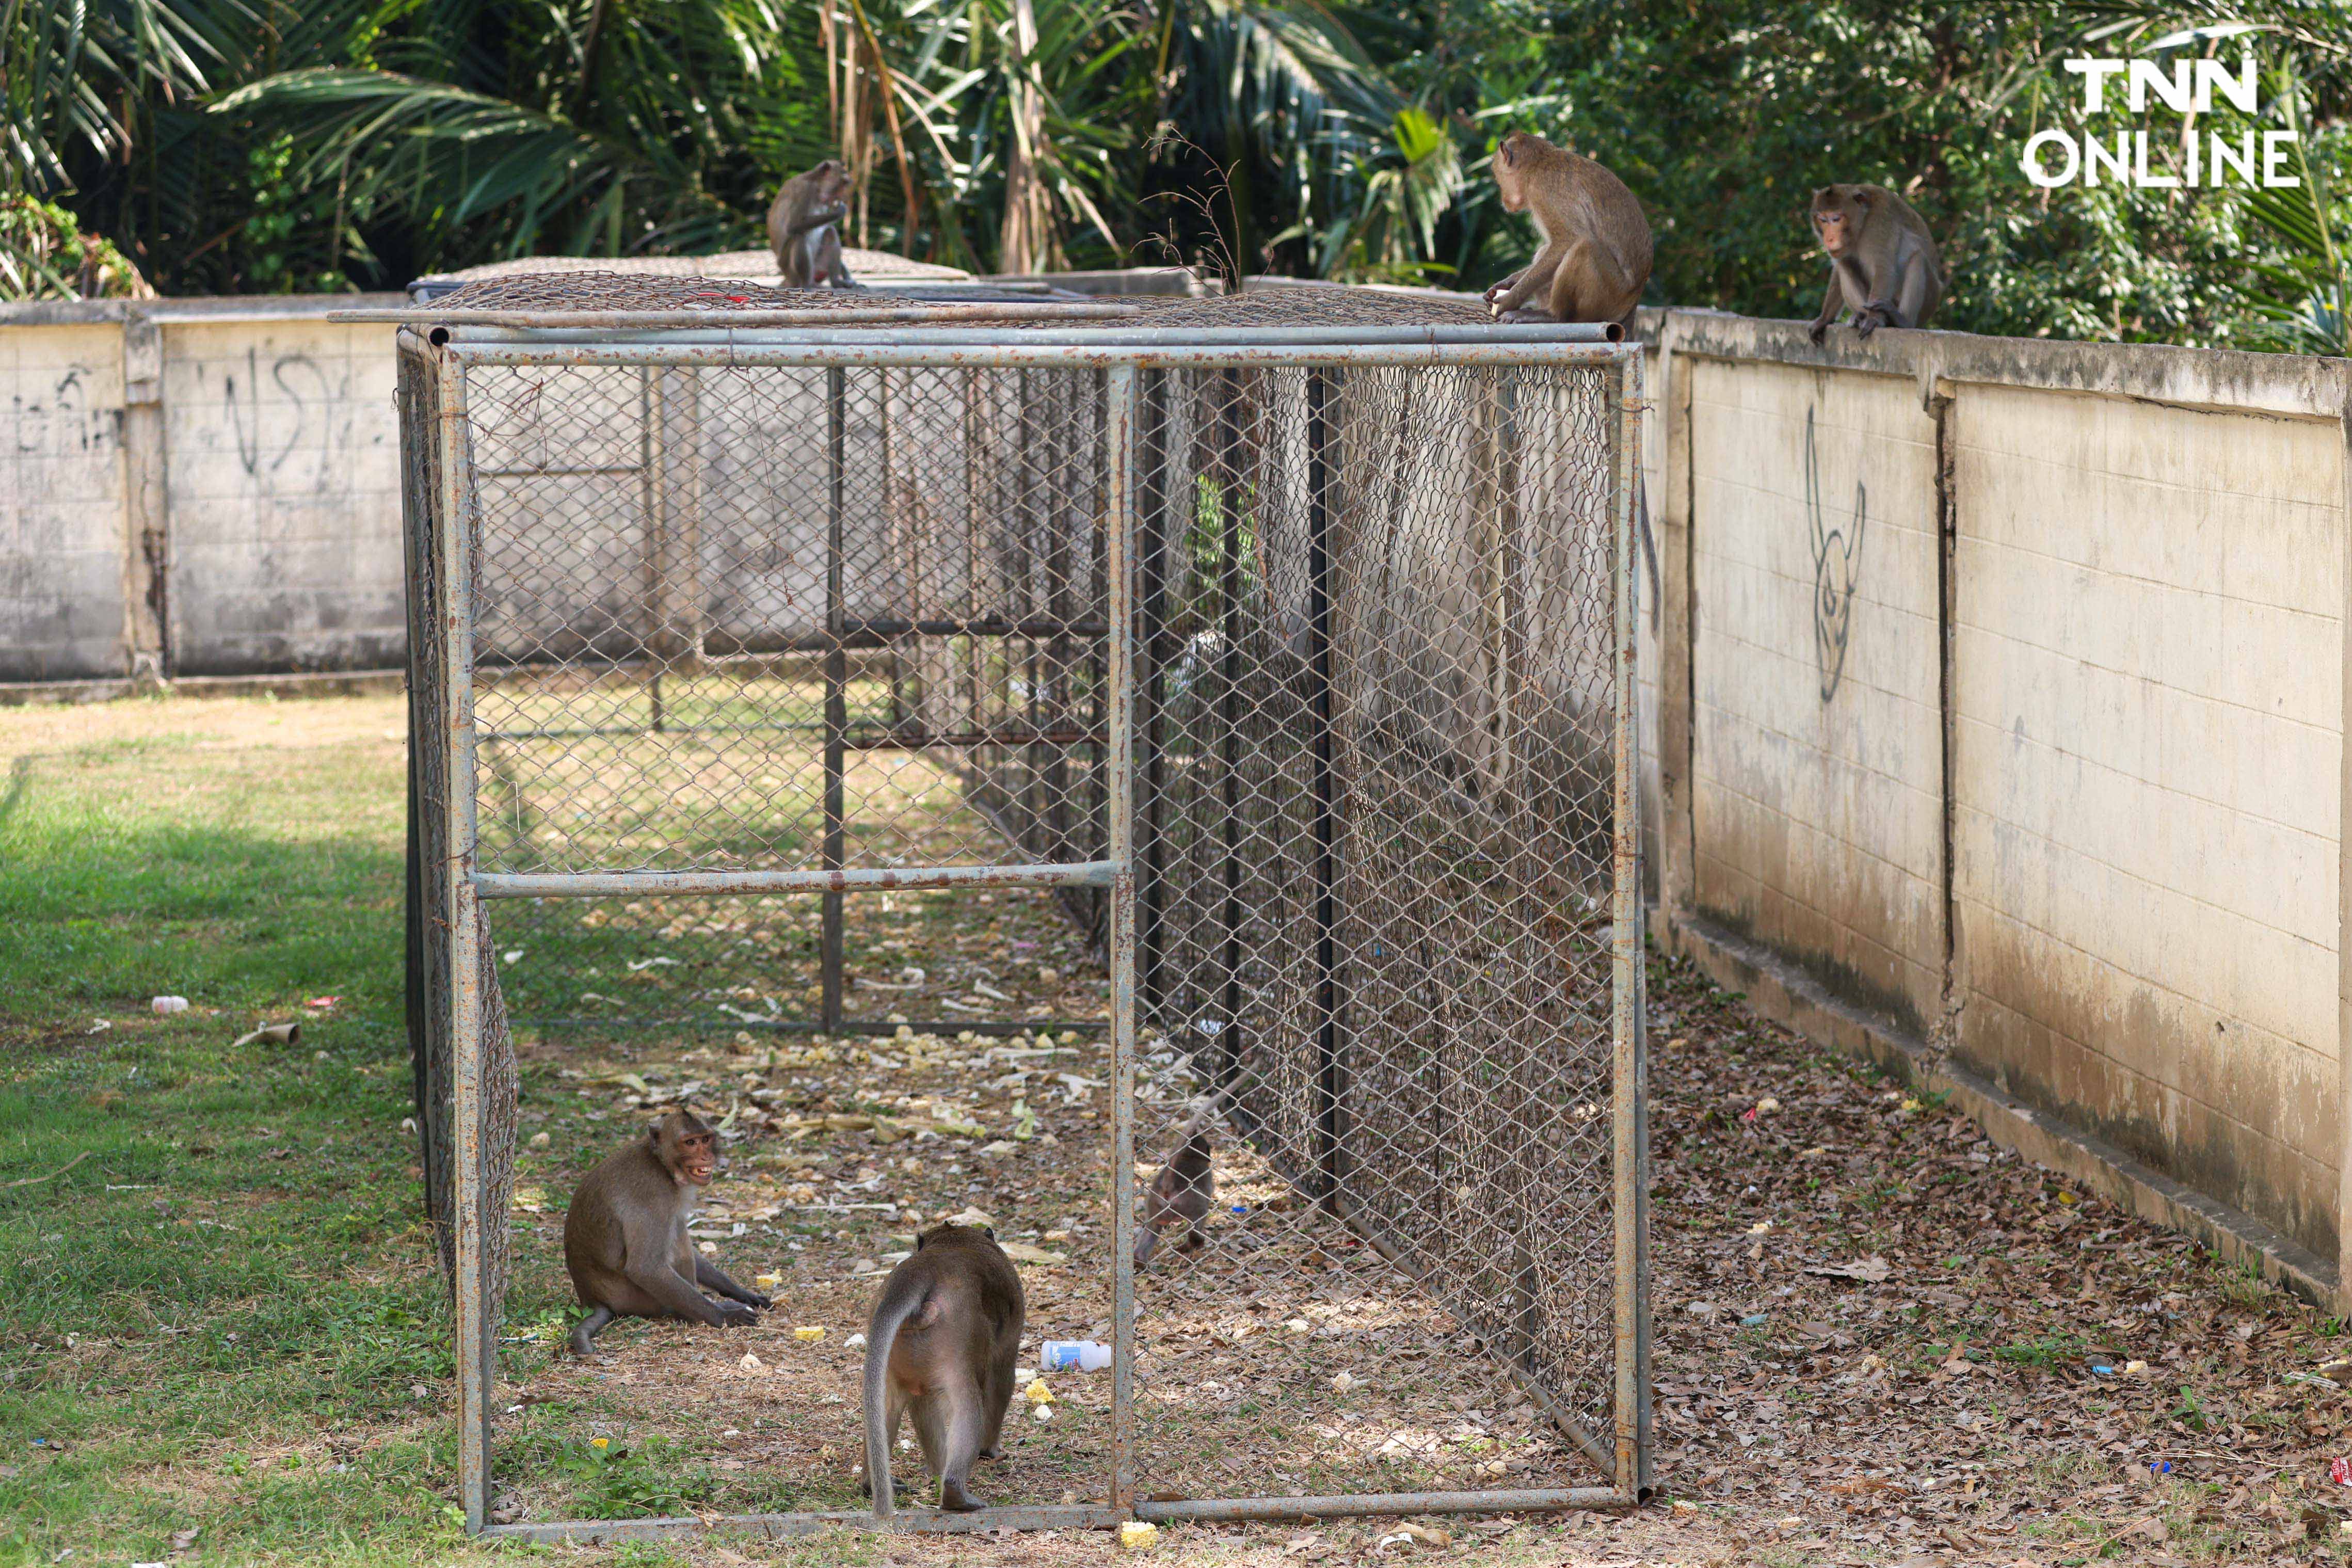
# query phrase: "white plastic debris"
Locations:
[[170, 1004]]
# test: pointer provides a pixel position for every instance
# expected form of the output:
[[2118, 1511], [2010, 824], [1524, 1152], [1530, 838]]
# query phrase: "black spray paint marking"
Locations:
[[249, 443], [1837, 569]]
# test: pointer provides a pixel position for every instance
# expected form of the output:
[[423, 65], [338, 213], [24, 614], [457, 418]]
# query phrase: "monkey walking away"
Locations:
[[626, 1242], [1883, 263], [801, 228], [1179, 1195], [1595, 257], [940, 1346]]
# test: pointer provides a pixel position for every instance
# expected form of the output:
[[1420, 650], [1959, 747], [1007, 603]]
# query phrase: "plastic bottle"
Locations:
[[1072, 1356]]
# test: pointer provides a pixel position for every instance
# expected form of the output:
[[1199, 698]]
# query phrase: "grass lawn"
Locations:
[[224, 1338]]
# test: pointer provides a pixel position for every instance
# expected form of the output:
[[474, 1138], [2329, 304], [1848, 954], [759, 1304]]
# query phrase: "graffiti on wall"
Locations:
[[1837, 570]]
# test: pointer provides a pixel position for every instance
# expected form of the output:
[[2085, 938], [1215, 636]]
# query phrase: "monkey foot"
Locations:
[[954, 1499]]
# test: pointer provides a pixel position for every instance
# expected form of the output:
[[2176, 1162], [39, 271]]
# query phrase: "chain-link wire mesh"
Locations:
[[778, 619], [1375, 845], [735, 617], [431, 901]]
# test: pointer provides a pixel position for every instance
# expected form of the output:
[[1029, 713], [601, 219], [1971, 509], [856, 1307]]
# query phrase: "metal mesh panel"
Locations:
[[842, 612], [1376, 940], [778, 619], [431, 909]]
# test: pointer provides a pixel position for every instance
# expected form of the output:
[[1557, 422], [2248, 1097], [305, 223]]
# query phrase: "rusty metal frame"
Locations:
[[1122, 357]]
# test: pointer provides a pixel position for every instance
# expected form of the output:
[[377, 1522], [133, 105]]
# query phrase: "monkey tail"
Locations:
[[882, 1334]]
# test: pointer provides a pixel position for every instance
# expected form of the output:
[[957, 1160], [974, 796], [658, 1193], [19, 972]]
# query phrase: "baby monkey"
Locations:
[[1595, 257], [626, 1242], [801, 228], [940, 1346], [1883, 263]]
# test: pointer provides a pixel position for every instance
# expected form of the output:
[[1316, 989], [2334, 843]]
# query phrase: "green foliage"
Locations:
[[45, 254], [263, 144], [1725, 116]]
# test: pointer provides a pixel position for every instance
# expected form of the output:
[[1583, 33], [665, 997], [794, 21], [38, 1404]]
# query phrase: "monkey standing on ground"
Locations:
[[942, 1343], [626, 1242], [1179, 1196], [1883, 262], [801, 228], [1595, 257]]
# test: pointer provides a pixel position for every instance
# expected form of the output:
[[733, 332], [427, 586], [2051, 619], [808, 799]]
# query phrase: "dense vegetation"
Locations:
[[265, 145]]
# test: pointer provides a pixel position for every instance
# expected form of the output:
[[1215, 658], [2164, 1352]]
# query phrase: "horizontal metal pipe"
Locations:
[[625, 884], [1124, 337], [989, 354], [911, 1521], [432, 319], [865, 1028], [1526, 1501]]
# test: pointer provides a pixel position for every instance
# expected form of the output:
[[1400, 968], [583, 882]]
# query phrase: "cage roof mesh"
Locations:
[[751, 266], [1278, 306]]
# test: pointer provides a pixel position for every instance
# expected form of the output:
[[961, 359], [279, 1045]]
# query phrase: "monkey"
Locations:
[[626, 1242], [1595, 257], [801, 228], [1883, 262], [945, 1332], [1179, 1196]]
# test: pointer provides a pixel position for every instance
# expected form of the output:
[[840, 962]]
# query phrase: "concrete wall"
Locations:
[[2148, 705], [63, 576], [198, 488], [1815, 730], [2077, 613]]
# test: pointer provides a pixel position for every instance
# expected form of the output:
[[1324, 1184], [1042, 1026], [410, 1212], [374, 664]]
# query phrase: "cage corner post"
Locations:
[[1630, 1202], [1119, 520], [452, 543]]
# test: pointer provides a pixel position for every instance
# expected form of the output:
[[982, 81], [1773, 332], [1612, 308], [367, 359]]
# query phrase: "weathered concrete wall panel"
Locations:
[[1816, 722], [2147, 703], [62, 513], [284, 493]]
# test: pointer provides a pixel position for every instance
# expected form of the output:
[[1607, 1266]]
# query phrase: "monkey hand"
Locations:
[[735, 1315], [1817, 332], [760, 1299]]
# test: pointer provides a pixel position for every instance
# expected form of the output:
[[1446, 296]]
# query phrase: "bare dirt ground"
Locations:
[[1879, 1338]]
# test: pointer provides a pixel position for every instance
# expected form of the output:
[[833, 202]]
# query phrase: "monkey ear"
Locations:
[[989, 1231]]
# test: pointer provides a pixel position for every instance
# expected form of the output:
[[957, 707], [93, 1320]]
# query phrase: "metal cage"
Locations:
[[1289, 639]]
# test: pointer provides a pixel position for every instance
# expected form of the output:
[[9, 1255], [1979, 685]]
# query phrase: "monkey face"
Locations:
[[688, 1146], [697, 1158], [1837, 212]]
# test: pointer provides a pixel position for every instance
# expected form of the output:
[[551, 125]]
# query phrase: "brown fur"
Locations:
[[1884, 265], [1595, 257], [626, 1242], [940, 1346], [801, 228], [1179, 1197]]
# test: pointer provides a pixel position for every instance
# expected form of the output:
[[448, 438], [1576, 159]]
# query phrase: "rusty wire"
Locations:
[[789, 618]]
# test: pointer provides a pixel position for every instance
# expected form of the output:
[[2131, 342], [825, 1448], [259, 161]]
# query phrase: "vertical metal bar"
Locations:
[[477, 1346], [1152, 524], [1630, 1198], [657, 543], [1229, 718], [837, 679], [1120, 766], [1330, 1075]]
